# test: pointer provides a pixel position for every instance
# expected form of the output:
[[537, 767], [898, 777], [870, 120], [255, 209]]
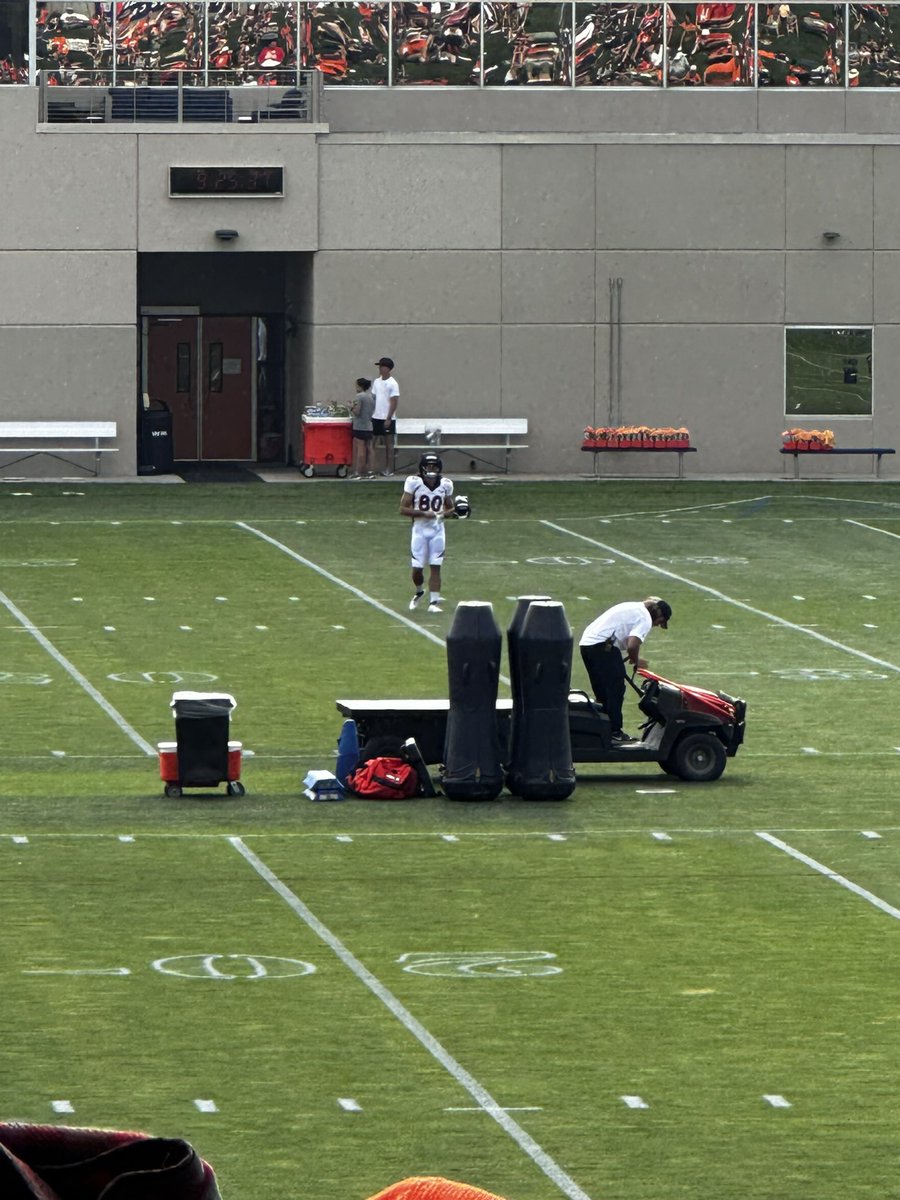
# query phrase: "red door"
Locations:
[[226, 389], [202, 369]]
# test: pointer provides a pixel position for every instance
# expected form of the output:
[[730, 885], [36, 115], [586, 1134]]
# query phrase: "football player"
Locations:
[[427, 499]]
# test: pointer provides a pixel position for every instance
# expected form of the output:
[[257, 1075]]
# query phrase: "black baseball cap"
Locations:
[[385, 362], [663, 609]]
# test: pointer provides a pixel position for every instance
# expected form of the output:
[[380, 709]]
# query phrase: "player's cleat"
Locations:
[[434, 607], [416, 600]]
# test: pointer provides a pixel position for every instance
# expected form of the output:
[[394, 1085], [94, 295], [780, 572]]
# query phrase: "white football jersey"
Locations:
[[426, 499]]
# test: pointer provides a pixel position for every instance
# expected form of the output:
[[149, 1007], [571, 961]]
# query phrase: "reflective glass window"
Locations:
[[74, 43], [800, 45], [13, 41], [214, 375], [618, 45], [252, 43], [828, 372], [873, 42], [436, 44], [348, 43], [709, 45], [528, 45], [155, 43]]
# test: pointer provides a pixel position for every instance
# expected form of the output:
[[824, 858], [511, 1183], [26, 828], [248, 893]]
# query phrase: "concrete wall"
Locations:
[[473, 237]]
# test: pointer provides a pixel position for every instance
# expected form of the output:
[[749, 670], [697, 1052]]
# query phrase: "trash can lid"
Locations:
[[221, 696]]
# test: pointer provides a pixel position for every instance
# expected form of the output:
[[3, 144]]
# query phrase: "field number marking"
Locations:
[[167, 677], [206, 1106], [635, 1102], [31, 678], [348, 1104], [777, 1101], [232, 966], [513, 964]]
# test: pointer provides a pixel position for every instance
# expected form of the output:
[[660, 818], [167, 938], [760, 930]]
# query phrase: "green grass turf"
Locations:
[[636, 940]]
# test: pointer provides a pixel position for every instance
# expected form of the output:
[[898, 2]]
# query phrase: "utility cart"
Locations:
[[326, 442], [202, 756]]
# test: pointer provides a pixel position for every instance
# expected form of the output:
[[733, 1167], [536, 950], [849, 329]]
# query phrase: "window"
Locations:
[[828, 372]]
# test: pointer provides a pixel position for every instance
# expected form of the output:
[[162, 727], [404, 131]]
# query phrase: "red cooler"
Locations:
[[327, 442]]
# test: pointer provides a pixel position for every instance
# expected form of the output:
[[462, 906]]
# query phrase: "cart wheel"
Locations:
[[173, 791], [669, 767], [699, 757], [307, 469], [236, 788], [342, 472]]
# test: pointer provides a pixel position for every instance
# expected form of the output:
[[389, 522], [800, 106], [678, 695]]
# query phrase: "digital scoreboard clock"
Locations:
[[226, 181]]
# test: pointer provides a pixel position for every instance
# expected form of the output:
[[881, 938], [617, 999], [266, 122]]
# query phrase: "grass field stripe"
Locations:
[[358, 592], [73, 671], [776, 1101], [479, 1094], [742, 604], [832, 875]]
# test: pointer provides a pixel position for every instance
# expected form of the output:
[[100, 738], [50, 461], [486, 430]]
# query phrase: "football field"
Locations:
[[653, 989]]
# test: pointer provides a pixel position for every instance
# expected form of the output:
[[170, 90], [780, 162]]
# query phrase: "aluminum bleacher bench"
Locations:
[[56, 439], [466, 435]]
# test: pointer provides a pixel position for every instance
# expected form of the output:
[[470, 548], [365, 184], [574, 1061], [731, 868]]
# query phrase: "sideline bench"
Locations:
[[681, 451], [875, 451], [21, 438], [467, 435]]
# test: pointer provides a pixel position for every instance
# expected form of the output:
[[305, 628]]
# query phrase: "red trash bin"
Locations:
[[327, 442]]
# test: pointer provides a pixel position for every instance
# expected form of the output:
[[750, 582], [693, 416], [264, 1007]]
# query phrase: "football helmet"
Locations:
[[461, 507], [431, 468]]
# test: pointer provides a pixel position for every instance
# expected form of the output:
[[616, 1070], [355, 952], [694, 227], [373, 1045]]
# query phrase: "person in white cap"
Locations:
[[387, 395]]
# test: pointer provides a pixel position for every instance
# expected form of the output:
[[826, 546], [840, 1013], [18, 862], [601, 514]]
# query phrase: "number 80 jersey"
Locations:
[[430, 500]]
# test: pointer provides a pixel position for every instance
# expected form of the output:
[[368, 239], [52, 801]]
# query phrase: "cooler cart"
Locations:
[[327, 442], [202, 755]]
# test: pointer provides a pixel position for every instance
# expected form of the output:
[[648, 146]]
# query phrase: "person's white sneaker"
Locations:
[[416, 600], [434, 607]]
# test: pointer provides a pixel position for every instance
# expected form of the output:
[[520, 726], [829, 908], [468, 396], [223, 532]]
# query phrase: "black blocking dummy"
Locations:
[[472, 761], [540, 766], [512, 646]]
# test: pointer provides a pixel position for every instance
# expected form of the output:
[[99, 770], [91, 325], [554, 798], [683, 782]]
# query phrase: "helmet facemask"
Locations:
[[431, 468]]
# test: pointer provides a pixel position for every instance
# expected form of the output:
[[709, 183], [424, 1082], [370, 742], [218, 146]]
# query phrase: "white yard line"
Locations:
[[710, 591], [73, 671], [479, 1094], [842, 880], [355, 591], [871, 528]]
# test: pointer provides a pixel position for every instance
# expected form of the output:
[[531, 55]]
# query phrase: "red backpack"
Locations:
[[384, 778]]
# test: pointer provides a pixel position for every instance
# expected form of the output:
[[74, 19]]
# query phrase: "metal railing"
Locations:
[[179, 103]]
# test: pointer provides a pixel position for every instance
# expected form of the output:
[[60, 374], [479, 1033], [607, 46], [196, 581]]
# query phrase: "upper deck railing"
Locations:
[[179, 103]]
